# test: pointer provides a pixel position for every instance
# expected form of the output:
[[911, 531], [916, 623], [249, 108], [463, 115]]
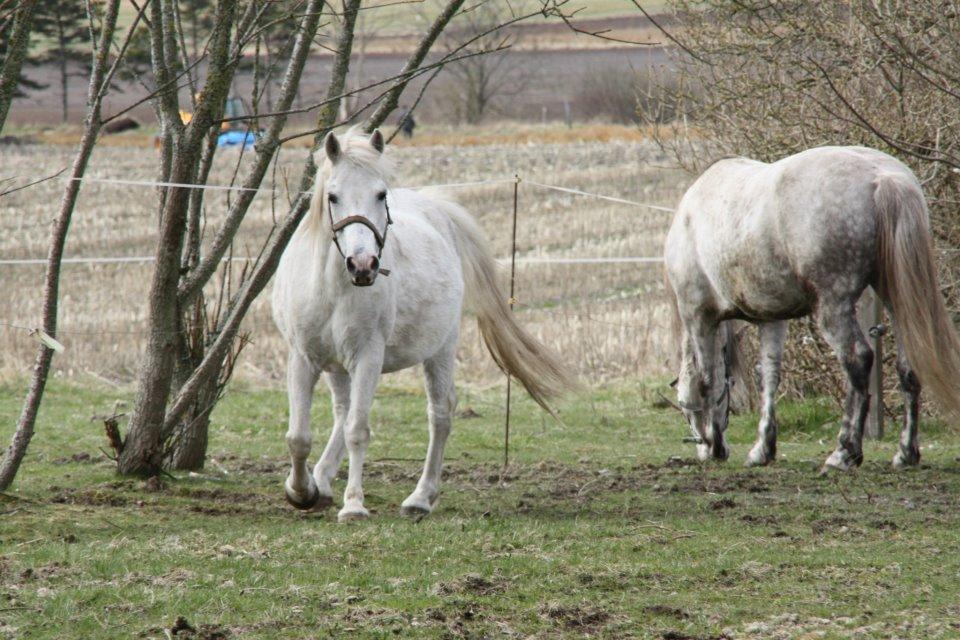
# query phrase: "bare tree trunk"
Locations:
[[16, 52], [150, 430], [142, 450], [99, 81], [188, 449]]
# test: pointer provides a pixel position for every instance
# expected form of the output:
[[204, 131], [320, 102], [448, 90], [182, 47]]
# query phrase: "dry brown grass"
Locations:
[[427, 136], [606, 319]]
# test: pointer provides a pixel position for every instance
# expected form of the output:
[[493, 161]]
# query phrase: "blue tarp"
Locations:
[[236, 138]]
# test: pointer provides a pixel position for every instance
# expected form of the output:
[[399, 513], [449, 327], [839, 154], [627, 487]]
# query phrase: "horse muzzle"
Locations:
[[363, 270]]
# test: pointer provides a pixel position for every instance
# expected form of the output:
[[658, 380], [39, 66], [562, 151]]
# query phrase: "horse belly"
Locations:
[[764, 289]]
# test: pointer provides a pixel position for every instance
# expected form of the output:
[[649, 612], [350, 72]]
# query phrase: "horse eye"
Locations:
[[333, 198], [382, 196]]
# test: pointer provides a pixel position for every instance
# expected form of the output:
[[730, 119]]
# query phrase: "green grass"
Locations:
[[603, 525]]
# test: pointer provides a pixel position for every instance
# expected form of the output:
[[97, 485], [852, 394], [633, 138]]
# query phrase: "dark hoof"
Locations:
[[841, 460], [414, 512], [312, 501], [907, 460]]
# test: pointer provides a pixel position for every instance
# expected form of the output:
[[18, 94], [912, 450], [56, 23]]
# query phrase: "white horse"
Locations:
[[806, 235], [374, 280]]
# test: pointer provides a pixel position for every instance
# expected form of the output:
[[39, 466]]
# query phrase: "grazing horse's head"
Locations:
[[353, 186]]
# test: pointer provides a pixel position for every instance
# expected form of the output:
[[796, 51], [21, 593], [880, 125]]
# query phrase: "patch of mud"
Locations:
[[723, 503], [95, 497], [474, 584], [836, 524], [763, 518], [182, 629], [79, 458], [666, 611], [581, 617]]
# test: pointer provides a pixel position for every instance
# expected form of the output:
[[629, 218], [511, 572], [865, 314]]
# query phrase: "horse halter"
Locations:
[[345, 222]]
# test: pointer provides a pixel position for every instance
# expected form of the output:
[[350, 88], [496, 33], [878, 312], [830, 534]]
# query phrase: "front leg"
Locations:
[[329, 463], [772, 337], [300, 489], [363, 384]]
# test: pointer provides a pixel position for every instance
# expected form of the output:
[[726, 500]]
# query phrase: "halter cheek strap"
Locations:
[[381, 239]]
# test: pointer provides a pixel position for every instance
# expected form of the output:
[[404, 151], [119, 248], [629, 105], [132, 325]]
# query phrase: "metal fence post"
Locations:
[[513, 279]]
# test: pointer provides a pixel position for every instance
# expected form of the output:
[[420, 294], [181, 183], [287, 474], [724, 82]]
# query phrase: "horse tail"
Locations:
[[908, 281], [515, 351]]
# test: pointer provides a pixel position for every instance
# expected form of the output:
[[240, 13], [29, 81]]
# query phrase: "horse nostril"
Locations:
[[374, 263], [351, 265]]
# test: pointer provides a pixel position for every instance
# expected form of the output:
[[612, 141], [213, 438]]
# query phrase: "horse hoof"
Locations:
[[758, 458], [840, 460], [352, 514], [903, 461], [312, 500], [722, 454], [416, 507], [703, 452]]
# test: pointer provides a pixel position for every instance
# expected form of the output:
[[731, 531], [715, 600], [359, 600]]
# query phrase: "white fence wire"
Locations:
[[452, 185]]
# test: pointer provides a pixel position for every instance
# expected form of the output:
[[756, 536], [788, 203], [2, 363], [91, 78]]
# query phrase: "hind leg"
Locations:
[[909, 453], [838, 323], [772, 337], [442, 400]]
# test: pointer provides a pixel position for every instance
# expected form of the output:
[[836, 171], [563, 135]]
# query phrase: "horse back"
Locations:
[[761, 241]]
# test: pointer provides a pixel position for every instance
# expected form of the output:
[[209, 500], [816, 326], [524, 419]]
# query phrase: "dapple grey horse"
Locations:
[[806, 235]]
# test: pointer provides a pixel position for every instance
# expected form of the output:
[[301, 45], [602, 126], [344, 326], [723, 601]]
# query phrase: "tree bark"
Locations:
[[99, 79], [16, 52], [187, 450]]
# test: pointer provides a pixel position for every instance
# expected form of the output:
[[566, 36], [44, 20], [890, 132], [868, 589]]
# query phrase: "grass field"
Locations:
[[602, 526]]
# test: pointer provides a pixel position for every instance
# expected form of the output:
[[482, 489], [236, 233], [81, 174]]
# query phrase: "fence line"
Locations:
[[230, 187], [451, 185], [147, 259], [599, 196]]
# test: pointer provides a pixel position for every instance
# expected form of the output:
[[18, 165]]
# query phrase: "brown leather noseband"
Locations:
[[381, 239]]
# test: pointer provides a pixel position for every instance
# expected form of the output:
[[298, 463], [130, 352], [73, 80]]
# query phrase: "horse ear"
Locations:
[[376, 140], [332, 146]]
